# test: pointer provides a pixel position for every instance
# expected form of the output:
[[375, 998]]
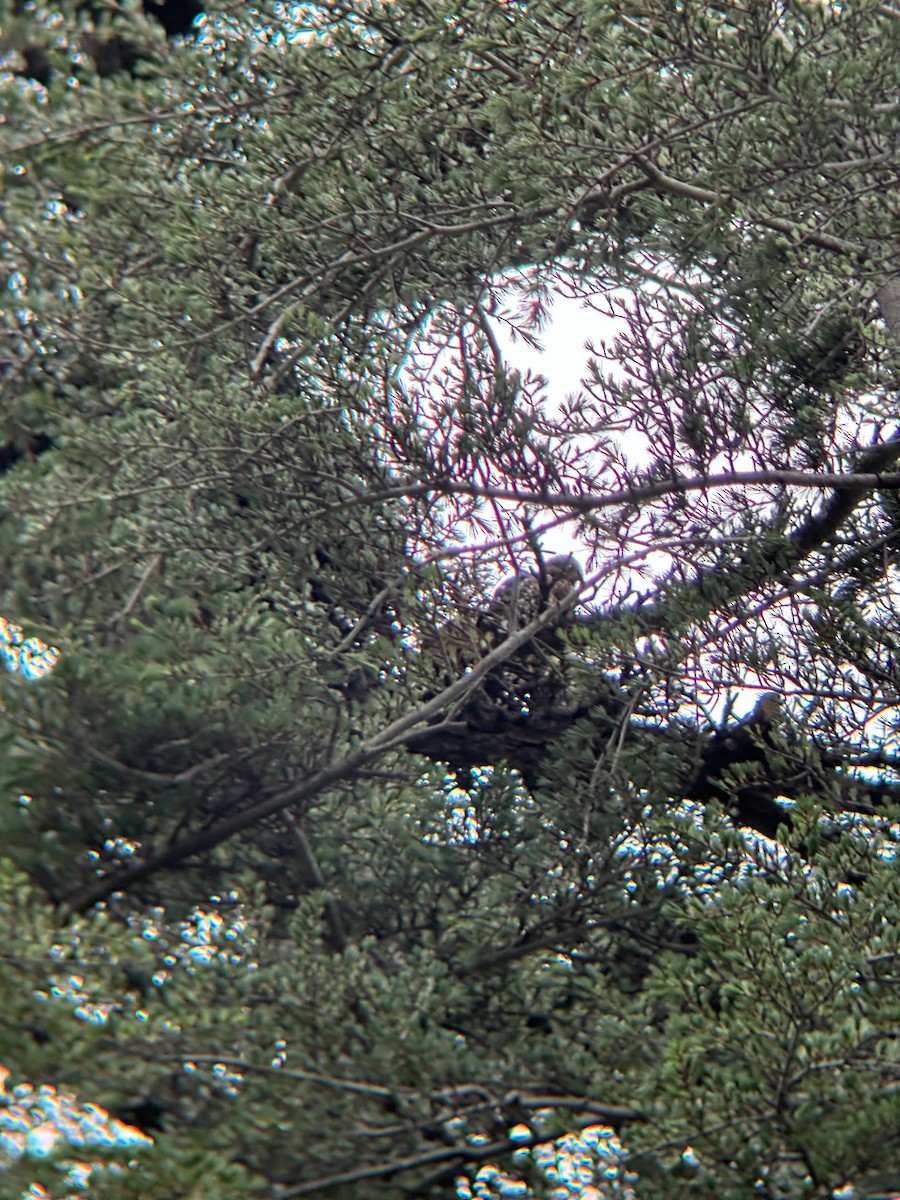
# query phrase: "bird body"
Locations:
[[521, 599], [535, 667]]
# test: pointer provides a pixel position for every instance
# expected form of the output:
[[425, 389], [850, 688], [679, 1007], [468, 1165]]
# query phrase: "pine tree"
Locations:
[[313, 870]]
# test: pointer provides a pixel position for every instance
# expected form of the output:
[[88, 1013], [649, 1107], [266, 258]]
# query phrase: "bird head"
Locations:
[[563, 568]]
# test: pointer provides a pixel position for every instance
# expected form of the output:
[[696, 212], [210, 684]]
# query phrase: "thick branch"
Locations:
[[739, 766], [725, 583], [866, 478], [395, 734]]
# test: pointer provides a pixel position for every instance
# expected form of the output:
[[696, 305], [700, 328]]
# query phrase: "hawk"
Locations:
[[519, 600], [535, 674], [745, 767]]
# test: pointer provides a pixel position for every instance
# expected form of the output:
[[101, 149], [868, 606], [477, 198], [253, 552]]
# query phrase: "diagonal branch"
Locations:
[[718, 584], [394, 734]]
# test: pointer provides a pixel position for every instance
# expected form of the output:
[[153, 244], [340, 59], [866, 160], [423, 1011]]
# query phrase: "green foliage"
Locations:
[[742, 1087], [311, 867]]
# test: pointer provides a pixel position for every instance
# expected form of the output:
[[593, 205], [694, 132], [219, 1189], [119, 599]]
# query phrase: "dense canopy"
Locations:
[[333, 868]]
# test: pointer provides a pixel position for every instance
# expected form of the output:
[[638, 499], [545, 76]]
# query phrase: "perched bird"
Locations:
[[520, 600], [744, 766], [766, 714], [535, 674], [535, 668]]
